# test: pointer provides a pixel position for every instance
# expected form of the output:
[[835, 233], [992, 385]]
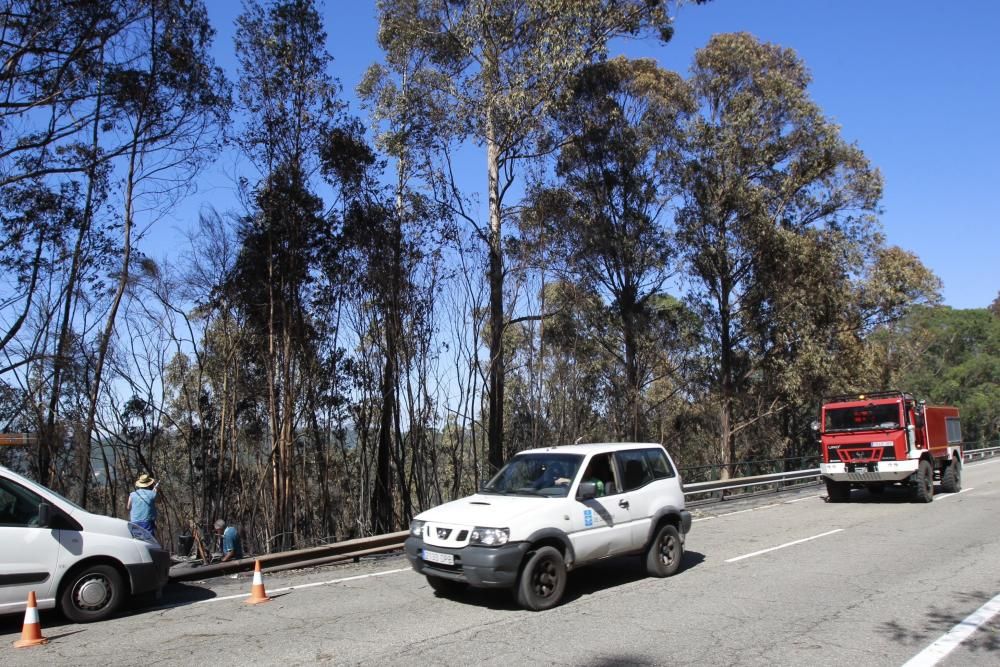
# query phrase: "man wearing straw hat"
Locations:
[[142, 503]]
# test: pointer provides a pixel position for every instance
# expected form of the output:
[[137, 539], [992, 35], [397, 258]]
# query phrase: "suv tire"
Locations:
[[542, 581], [664, 553]]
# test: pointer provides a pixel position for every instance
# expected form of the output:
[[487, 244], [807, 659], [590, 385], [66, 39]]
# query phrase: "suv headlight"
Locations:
[[417, 528], [489, 537]]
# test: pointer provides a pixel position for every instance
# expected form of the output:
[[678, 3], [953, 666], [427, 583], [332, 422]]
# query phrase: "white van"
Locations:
[[84, 563]]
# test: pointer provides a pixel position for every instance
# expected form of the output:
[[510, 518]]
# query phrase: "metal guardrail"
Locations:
[[331, 553], [745, 482], [379, 544]]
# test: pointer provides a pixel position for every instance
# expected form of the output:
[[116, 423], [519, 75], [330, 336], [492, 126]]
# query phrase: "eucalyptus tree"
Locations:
[[489, 72], [608, 215], [290, 267], [778, 231]]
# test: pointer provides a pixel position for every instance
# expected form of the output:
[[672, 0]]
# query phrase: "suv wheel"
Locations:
[[542, 581], [663, 556]]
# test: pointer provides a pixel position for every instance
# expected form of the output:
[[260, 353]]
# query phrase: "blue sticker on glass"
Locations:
[[588, 518]]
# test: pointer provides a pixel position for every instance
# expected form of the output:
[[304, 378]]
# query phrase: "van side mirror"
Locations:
[[44, 515], [586, 491]]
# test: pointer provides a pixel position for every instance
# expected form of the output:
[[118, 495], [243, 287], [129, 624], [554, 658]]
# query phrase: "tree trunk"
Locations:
[[496, 367]]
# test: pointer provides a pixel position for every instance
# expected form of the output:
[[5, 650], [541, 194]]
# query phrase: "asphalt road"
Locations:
[[781, 579]]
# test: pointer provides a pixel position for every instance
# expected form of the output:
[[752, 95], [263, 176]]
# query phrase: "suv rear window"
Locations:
[[658, 463], [635, 469]]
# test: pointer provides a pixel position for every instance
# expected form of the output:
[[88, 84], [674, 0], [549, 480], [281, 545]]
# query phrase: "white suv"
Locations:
[[550, 510]]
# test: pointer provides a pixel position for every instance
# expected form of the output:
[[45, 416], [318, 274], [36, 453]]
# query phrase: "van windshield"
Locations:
[[543, 474]]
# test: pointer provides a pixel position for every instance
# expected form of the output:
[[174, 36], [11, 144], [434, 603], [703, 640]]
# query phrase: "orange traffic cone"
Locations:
[[257, 594], [31, 633]]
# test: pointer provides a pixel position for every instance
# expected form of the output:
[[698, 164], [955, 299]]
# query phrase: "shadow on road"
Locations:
[[939, 620], [586, 581]]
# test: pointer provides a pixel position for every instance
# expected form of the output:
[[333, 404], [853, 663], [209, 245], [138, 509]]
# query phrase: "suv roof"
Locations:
[[593, 448]]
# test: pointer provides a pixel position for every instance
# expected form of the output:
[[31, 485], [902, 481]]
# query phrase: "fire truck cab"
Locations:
[[884, 438]]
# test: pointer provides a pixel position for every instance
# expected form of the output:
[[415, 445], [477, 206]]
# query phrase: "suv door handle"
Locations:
[[623, 503]]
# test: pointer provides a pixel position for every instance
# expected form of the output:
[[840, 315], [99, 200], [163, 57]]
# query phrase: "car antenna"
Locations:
[[577, 441]]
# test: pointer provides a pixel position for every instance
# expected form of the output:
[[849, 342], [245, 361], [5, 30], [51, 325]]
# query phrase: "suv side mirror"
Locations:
[[44, 515], [586, 491]]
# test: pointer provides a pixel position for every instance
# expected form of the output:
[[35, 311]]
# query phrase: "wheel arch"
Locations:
[[551, 537], [89, 562]]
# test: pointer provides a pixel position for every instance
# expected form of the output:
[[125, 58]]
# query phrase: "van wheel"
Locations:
[[92, 594], [924, 480], [664, 554], [838, 492], [542, 581], [445, 587], [951, 478]]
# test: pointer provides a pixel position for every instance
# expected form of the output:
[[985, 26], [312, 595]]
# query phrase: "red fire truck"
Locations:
[[874, 440]]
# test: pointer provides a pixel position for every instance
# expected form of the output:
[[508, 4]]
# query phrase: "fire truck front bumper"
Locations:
[[874, 471]]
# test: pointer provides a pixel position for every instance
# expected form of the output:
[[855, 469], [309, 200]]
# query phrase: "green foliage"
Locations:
[[950, 357]]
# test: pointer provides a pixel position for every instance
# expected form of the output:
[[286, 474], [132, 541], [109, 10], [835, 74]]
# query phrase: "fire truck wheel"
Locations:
[[924, 478], [951, 478], [838, 492]]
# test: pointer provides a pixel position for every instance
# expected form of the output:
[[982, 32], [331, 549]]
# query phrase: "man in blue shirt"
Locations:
[[231, 547], [142, 503]]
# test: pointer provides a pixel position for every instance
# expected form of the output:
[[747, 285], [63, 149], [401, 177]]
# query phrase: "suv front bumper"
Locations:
[[482, 567]]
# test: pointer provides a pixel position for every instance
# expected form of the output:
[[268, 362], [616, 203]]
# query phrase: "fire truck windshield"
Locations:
[[862, 418]]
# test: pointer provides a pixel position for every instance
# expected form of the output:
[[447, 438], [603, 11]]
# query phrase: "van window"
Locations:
[[18, 505]]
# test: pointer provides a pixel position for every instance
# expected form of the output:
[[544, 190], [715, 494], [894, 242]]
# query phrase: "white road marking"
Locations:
[[315, 583], [799, 500], [936, 652], [782, 546], [752, 509], [979, 462], [942, 496]]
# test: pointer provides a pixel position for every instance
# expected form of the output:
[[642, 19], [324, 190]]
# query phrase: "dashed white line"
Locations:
[[934, 653], [310, 585], [782, 546]]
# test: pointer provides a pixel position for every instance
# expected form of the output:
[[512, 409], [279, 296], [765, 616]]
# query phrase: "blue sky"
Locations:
[[915, 84]]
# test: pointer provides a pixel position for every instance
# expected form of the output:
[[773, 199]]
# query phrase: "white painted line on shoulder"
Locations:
[[943, 496], [934, 653], [983, 463], [799, 500], [782, 546], [704, 518], [752, 509], [310, 585]]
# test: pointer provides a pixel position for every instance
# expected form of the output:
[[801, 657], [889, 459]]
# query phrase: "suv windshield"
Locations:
[[544, 474], [863, 417]]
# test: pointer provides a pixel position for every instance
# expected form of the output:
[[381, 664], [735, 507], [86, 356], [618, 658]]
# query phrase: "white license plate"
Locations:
[[442, 559]]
